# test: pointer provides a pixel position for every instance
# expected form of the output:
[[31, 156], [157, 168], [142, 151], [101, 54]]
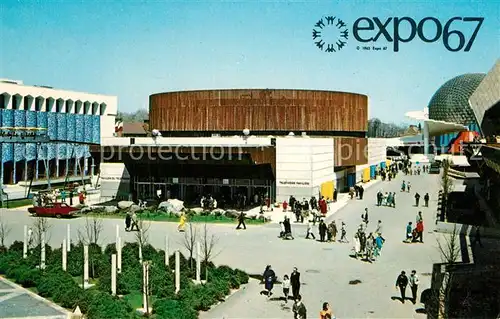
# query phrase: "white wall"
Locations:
[[302, 165], [114, 179], [377, 150], [189, 141]]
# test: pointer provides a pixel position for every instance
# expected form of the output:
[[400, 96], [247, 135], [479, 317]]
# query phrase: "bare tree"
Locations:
[[41, 226], [449, 248], [4, 231], [91, 231], [142, 236], [190, 238], [209, 251]]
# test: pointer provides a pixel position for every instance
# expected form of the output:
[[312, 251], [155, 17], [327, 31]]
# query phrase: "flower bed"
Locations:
[[97, 302]]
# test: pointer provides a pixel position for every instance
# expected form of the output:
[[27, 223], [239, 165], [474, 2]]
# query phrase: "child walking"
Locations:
[[286, 287]]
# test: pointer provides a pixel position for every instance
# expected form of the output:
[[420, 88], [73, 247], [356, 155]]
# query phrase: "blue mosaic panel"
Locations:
[[51, 151], [96, 134], [52, 125], [88, 128], [42, 151], [19, 118], [62, 151], [87, 151], [71, 126], [79, 128], [7, 152], [8, 118], [19, 152], [69, 151], [30, 119], [61, 127], [79, 151], [30, 151], [41, 121], [1, 115]]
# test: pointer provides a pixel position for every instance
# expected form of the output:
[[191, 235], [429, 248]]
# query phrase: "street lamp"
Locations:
[[246, 135]]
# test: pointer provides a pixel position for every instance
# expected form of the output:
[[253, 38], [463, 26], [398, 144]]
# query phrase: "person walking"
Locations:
[[420, 231], [269, 279], [408, 187], [326, 311], [369, 247], [295, 283], [361, 191], [409, 232], [299, 310], [413, 280], [365, 217], [182, 222], [403, 186], [310, 230], [417, 199], [343, 234], [63, 196], [128, 221], [401, 283], [241, 221], [286, 287], [285, 205], [357, 244], [378, 230], [477, 237], [333, 230], [323, 207], [419, 217], [322, 230], [394, 199], [426, 199]]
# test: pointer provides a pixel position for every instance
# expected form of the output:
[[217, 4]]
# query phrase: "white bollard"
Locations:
[[64, 255], [25, 243], [167, 253], [42, 255], [113, 274], [119, 255], [140, 253], [198, 262], [85, 266], [145, 287], [177, 271], [68, 237]]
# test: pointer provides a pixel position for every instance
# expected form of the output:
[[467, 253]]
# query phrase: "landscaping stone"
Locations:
[[197, 210], [124, 204], [134, 208], [110, 209], [172, 205], [217, 212], [232, 213]]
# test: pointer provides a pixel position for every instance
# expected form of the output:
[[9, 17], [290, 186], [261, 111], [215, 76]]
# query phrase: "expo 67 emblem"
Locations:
[[330, 34]]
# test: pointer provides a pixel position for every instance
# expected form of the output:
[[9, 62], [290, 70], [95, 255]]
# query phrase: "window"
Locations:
[[2, 101], [16, 101], [68, 104], [27, 103]]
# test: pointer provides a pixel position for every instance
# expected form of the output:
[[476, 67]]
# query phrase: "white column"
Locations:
[[117, 232], [119, 255], [140, 252], [64, 255], [167, 248], [68, 237], [198, 262], [85, 265], [426, 139], [145, 286], [177, 271], [42, 255], [113, 274], [25, 242]]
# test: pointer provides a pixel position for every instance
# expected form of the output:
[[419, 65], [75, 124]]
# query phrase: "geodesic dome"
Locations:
[[450, 103]]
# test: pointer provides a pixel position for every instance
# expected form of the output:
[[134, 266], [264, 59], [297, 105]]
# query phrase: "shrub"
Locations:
[[130, 279], [16, 246], [104, 306], [23, 274], [162, 282], [173, 309]]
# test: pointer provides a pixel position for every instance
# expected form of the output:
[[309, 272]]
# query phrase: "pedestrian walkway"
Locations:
[[17, 302], [277, 214]]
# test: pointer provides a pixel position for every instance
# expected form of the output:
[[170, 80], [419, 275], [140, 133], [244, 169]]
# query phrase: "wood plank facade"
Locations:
[[259, 110]]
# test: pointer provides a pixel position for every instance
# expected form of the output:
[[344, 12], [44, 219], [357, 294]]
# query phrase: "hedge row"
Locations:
[[97, 302]]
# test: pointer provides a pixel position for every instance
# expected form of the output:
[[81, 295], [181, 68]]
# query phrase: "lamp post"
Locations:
[[246, 135]]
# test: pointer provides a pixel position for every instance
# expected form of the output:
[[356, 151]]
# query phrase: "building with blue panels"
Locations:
[[72, 120]]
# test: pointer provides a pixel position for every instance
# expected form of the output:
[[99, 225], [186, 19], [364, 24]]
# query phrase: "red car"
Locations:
[[57, 210]]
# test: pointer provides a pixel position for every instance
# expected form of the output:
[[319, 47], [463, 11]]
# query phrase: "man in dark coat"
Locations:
[[426, 199], [361, 191], [417, 199], [402, 282], [241, 221], [322, 230], [295, 282], [269, 280], [299, 309]]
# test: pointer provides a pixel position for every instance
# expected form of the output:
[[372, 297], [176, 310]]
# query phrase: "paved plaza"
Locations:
[[326, 268]]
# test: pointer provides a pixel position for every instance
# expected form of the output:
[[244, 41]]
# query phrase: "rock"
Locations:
[[253, 214], [124, 204], [172, 206], [134, 208], [217, 212], [197, 210], [85, 210], [231, 213], [110, 209]]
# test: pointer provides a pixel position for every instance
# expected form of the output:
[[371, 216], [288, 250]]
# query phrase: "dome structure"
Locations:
[[450, 103]]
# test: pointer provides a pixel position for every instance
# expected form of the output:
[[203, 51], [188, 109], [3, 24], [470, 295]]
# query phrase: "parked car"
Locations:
[[57, 210]]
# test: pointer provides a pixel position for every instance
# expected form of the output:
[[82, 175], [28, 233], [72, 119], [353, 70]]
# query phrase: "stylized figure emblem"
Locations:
[[330, 34]]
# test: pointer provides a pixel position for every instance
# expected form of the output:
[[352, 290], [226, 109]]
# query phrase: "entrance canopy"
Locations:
[[436, 128]]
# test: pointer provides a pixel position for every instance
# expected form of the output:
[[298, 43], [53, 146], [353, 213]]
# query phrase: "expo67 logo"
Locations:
[[331, 34]]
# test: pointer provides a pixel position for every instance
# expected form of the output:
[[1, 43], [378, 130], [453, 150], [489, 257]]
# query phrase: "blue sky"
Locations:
[[135, 48]]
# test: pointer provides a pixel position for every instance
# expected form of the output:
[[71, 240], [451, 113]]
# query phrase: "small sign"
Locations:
[[417, 163], [175, 180], [225, 181]]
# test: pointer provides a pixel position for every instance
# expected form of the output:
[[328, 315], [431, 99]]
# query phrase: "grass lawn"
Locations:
[[162, 217], [18, 203], [134, 299]]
